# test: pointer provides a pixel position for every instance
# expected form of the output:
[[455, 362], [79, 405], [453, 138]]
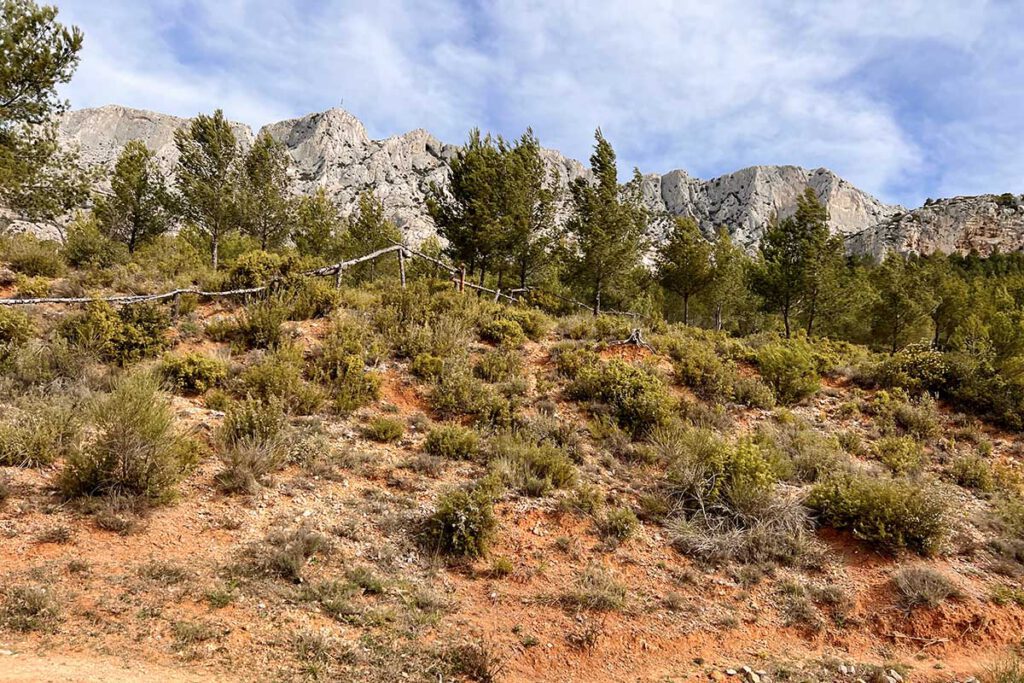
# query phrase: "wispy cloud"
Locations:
[[906, 100]]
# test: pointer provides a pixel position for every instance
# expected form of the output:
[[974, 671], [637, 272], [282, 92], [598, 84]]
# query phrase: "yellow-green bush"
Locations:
[[636, 396], [193, 373], [123, 336], [38, 432], [901, 454], [452, 441], [503, 331], [530, 467], [385, 429], [29, 255], [499, 365], [463, 523], [789, 368], [700, 368], [890, 513], [279, 375], [340, 364]]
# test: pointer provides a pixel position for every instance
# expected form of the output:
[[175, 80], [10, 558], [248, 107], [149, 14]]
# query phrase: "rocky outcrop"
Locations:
[[332, 150], [983, 224]]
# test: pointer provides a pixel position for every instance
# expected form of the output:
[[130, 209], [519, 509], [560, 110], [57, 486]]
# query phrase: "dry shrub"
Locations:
[[923, 586]]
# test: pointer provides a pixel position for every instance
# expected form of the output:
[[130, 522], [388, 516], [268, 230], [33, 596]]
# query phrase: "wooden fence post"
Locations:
[[462, 278], [401, 265]]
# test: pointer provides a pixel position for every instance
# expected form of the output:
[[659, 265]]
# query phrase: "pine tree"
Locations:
[[950, 297], [207, 177], [38, 179], [728, 287], [265, 204], [370, 230], [527, 205], [320, 229], [902, 302], [684, 262], [606, 234], [138, 207]]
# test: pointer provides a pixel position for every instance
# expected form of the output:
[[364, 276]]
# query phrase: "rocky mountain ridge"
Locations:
[[332, 150]]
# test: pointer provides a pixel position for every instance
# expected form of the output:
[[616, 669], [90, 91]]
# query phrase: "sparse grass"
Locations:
[[284, 553], [596, 589], [189, 633], [38, 432], [532, 468], [252, 419], [160, 571], [1010, 671], [248, 462], [973, 472], [475, 661], [923, 587], [29, 608]]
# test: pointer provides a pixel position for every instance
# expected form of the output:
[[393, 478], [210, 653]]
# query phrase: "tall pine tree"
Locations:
[[265, 204], [684, 262], [139, 206]]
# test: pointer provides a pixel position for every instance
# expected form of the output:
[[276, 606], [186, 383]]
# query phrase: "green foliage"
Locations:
[[570, 359], [427, 366], [320, 231], [973, 472], [636, 396], [534, 323], [248, 461], [916, 368], [137, 451], [617, 525], [699, 367], [503, 331], [37, 433], [264, 201], [528, 466], [341, 364], [452, 442], [385, 429], [499, 365], [605, 235], [16, 328], [752, 392], [29, 608], [258, 326], [193, 373], [139, 207], [901, 454], [123, 336], [253, 420], [788, 367], [890, 513], [369, 230], [311, 298], [86, 246], [463, 523], [278, 374], [31, 256], [895, 412], [684, 264], [257, 268]]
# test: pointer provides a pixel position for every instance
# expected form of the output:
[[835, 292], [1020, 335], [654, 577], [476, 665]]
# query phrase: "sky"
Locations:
[[907, 99]]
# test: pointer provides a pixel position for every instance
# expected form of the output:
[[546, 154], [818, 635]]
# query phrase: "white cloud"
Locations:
[[710, 87]]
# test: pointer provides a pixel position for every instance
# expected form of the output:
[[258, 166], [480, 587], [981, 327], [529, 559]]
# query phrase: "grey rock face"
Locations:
[[959, 225], [331, 150]]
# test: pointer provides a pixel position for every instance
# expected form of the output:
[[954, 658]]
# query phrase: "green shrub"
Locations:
[[504, 332], [637, 397], [86, 246], [259, 324], [311, 298], [385, 429], [752, 392], [252, 419], [341, 364], [901, 454], [789, 368], [31, 287], [571, 359], [530, 467], [426, 366], [256, 269], [457, 392], [916, 368], [38, 433], [29, 608], [499, 365], [16, 328], [193, 373], [617, 525], [278, 374], [534, 323], [123, 336], [452, 442], [136, 451], [38, 363], [973, 472], [32, 256], [700, 368], [895, 412], [463, 523], [889, 513]]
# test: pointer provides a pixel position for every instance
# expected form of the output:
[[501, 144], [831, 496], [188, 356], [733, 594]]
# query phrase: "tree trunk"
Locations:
[[785, 318], [718, 318], [597, 300], [214, 242], [686, 309]]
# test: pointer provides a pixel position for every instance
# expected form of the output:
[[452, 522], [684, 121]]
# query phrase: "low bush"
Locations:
[[499, 365], [193, 373], [427, 366], [29, 608], [636, 396], [617, 525], [134, 332], [463, 523], [278, 374], [86, 246], [789, 368], [889, 513], [901, 454], [923, 587], [571, 359], [452, 442], [340, 364], [385, 429], [801, 453], [248, 461], [596, 589], [310, 298], [32, 256], [137, 451], [700, 368], [753, 393], [504, 332], [973, 472], [252, 419], [16, 328], [530, 467], [916, 368], [38, 432], [257, 269], [285, 553], [259, 325], [895, 412], [534, 323]]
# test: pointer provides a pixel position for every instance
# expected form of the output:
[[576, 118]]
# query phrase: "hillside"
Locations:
[[665, 513]]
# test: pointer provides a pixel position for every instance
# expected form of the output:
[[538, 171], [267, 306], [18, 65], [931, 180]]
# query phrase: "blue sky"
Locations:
[[907, 99]]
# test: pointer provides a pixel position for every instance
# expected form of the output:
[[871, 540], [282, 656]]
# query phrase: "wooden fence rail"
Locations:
[[335, 269]]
